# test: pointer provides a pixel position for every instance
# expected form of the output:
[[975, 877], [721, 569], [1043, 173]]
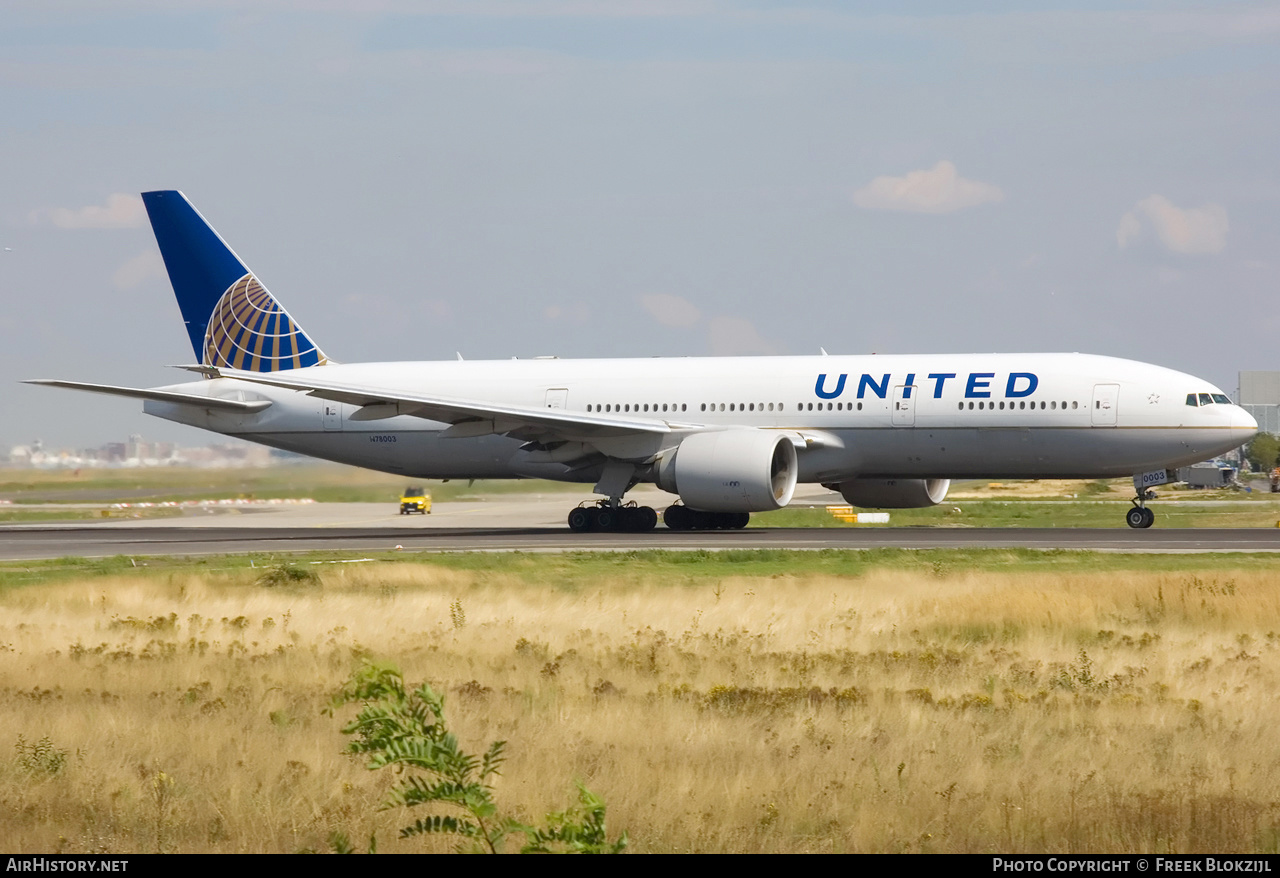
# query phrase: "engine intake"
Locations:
[[893, 493], [731, 471]]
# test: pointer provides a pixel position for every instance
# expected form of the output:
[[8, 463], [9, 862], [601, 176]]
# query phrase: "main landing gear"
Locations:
[[607, 516], [679, 517], [1140, 516]]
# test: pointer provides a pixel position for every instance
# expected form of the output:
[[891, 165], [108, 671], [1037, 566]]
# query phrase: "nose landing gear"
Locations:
[[1140, 516]]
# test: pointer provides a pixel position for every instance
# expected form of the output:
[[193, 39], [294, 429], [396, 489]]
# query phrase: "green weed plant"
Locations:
[[406, 729]]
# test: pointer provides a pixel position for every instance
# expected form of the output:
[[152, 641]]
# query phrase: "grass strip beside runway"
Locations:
[[730, 701]]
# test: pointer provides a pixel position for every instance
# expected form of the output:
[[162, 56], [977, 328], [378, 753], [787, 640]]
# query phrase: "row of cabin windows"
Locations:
[[741, 407], [636, 407], [839, 406], [1199, 399], [1022, 404]]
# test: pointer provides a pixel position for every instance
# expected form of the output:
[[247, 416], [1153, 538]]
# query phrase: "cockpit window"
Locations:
[[1191, 399], [1206, 399], [1221, 398]]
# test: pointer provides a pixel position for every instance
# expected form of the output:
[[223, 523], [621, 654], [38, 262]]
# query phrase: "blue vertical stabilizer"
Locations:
[[231, 318]]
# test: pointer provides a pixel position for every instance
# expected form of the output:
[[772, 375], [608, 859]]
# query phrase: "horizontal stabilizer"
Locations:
[[209, 402]]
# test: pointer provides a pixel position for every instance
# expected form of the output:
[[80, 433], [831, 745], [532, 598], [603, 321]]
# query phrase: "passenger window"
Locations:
[[1074, 405], [859, 406], [1002, 406], [961, 406], [1054, 404], [1206, 399]]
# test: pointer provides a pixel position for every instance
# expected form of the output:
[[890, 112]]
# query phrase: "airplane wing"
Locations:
[[210, 402], [465, 417]]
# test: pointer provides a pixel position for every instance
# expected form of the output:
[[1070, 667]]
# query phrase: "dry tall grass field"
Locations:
[[1008, 711]]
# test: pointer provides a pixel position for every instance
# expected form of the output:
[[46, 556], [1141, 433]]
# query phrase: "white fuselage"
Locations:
[[900, 416]]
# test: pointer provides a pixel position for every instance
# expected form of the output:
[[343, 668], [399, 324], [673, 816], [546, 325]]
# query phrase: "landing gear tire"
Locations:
[[679, 517], [581, 520], [625, 519], [1140, 517]]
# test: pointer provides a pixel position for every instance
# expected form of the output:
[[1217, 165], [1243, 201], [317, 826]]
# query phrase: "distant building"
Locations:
[[1260, 397]]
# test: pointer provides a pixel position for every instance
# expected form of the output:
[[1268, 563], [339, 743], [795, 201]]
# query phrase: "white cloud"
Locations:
[[120, 212], [1181, 230], [671, 310], [937, 190], [736, 337], [576, 313], [143, 267], [1129, 230]]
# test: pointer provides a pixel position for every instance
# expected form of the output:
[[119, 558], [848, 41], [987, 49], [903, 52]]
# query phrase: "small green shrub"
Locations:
[[406, 729], [288, 573], [40, 757]]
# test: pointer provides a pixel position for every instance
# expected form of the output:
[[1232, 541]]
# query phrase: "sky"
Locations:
[[577, 178]]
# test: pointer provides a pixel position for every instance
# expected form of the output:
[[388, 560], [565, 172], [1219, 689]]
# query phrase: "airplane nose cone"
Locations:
[[1243, 421]]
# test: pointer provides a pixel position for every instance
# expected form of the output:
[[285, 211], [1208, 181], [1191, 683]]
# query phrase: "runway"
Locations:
[[33, 542]]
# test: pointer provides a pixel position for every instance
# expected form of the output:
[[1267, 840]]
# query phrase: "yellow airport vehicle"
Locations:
[[414, 499]]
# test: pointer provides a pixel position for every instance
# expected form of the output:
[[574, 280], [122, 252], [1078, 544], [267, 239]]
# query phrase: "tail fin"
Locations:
[[231, 318]]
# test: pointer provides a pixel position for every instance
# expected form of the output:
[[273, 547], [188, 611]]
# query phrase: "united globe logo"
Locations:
[[249, 330]]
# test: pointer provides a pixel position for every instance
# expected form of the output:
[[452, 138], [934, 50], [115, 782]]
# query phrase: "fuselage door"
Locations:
[[904, 405], [557, 397], [331, 415], [1105, 404]]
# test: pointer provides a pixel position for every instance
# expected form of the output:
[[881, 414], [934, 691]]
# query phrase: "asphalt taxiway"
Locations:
[[536, 522], [264, 533]]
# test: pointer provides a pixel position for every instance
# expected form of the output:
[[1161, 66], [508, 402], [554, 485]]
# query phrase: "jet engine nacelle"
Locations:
[[894, 493], [731, 471]]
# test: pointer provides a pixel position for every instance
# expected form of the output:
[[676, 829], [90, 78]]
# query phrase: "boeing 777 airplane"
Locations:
[[728, 435]]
